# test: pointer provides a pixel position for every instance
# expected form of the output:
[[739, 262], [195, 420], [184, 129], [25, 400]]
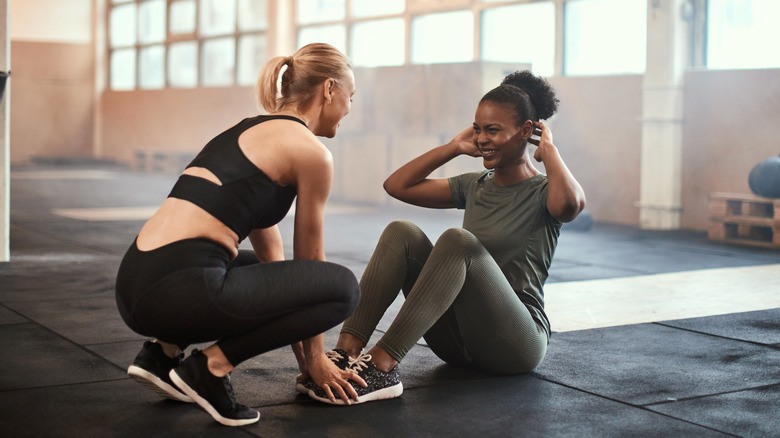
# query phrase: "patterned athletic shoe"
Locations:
[[337, 356], [213, 394], [151, 367], [381, 385]]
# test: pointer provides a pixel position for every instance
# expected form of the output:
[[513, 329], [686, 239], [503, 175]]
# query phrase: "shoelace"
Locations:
[[334, 356], [359, 363], [228, 385]]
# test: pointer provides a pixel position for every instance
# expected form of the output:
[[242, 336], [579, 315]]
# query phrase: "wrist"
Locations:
[[453, 149], [548, 151]]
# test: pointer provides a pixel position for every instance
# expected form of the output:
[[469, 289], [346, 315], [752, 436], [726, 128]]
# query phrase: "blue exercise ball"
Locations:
[[764, 179]]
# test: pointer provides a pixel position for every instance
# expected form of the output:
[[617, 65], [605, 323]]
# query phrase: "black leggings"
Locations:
[[191, 292]]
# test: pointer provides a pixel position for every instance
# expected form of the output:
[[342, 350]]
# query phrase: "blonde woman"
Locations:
[[184, 280]]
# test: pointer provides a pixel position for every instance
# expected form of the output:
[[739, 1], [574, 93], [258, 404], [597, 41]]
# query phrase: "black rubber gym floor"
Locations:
[[66, 350]]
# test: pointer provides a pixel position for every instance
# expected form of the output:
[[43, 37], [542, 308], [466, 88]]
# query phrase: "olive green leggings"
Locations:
[[457, 298]]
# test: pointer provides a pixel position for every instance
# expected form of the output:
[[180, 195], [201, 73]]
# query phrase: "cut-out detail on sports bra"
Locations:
[[202, 172], [247, 198]]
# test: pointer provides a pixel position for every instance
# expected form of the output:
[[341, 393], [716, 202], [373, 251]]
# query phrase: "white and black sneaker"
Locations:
[[151, 367], [381, 385], [337, 356], [213, 394]]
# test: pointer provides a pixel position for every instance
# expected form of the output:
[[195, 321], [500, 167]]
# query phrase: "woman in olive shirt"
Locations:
[[476, 296]]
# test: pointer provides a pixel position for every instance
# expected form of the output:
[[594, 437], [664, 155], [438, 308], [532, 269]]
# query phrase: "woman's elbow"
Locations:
[[391, 189], [570, 210]]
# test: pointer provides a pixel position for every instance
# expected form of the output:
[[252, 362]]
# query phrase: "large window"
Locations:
[[743, 34], [388, 50], [603, 37], [395, 32], [443, 37], [522, 33], [190, 43], [186, 43]]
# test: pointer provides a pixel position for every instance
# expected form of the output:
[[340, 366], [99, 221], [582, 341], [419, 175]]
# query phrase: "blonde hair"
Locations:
[[305, 70]]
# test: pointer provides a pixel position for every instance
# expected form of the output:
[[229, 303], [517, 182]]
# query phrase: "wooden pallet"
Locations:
[[744, 219]]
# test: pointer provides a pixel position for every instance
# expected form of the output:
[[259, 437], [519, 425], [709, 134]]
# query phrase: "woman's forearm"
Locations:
[[411, 184], [418, 169]]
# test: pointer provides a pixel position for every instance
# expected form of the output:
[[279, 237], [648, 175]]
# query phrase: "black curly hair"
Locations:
[[531, 97]]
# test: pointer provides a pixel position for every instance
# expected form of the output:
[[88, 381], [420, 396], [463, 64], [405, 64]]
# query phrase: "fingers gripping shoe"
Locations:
[[151, 367], [213, 394], [337, 356], [381, 385]]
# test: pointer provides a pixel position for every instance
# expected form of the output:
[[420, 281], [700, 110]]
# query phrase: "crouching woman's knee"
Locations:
[[346, 291]]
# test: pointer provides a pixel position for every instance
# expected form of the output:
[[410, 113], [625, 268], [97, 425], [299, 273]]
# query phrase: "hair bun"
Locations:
[[538, 89]]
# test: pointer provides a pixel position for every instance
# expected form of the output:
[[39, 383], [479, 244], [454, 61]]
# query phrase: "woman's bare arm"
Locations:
[[411, 182], [565, 197]]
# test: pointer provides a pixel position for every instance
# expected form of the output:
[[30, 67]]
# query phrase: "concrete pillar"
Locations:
[[5, 136], [282, 39], [99, 44], [662, 114]]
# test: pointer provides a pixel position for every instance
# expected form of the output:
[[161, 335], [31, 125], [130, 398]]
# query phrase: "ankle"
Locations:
[[351, 344], [217, 363], [382, 359], [172, 351]]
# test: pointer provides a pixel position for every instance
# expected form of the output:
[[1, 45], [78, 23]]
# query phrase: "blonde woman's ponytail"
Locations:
[[267, 89], [296, 86]]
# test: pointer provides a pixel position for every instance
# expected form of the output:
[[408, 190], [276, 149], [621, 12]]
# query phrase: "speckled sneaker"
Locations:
[[151, 367], [381, 385], [337, 356]]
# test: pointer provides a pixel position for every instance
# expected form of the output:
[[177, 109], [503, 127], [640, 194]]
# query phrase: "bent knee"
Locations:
[[348, 287], [458, 238], [401, 228]]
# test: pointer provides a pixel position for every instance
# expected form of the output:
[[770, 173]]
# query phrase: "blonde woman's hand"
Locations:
[[330, 378]]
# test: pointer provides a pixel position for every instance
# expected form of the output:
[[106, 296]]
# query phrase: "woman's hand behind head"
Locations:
[[465, 142]]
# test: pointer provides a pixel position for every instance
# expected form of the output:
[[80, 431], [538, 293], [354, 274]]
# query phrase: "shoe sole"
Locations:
[[383, 394], [156, 384], [203, 403], [300, 389]]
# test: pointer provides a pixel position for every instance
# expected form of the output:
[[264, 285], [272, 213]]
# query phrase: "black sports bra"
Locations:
[[248, 198]]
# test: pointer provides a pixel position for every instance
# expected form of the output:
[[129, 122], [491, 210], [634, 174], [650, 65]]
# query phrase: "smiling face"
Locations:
[[500, 140], [340, 97]]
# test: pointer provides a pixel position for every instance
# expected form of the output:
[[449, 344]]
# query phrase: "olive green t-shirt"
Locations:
[[516, 229]]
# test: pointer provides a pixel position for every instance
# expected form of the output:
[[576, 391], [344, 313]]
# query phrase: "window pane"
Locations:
[[252, 14], [123, 69], [251, 56], [444, 37], [123, 27], [183, 64], [317, 11], [217, 17], [182, 17], [743, 34], [151, 21], [597, 42], [372, 8], [151, 73], [335, 35], [533, 42], [219, 60], [370, 51]]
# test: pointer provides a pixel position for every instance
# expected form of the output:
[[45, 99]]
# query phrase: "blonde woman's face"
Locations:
[[339, 106]]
